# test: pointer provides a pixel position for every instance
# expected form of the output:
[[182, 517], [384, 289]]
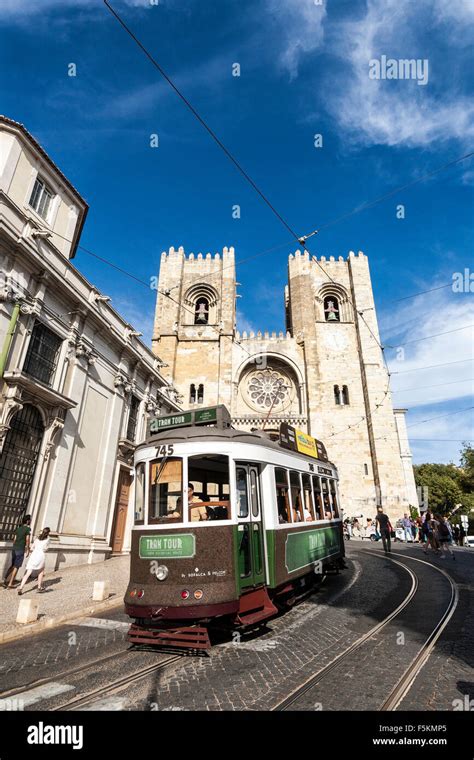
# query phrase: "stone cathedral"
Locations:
[[325, 374]]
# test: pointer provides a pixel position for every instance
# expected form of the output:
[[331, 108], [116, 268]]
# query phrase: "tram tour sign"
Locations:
[[212, 415], [176, 545], [298, 440]]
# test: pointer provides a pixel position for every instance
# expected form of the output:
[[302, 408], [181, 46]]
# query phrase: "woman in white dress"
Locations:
[[37, 560]]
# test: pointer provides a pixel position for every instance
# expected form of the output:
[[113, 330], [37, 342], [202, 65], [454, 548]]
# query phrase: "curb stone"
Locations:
[[54, 622]]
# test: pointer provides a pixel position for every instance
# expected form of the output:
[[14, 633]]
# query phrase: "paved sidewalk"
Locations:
[[68, 595]]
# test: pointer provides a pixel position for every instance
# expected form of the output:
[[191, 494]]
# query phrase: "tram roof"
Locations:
[[199, 432]]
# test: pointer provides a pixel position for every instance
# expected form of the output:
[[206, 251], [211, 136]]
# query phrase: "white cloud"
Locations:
[[388, 112], [18, 10], [438, 312], [429, 394], [139, 315], [244, 324], [301, 27], [440, 439]]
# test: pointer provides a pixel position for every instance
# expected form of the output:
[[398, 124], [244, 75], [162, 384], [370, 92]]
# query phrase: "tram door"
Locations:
[[250, 543]]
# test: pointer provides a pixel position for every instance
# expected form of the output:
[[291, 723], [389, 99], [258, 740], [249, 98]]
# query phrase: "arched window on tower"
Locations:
[[192, 394], [337, 397], [331, 309], [200, 394], [201, 311], [345, 395]]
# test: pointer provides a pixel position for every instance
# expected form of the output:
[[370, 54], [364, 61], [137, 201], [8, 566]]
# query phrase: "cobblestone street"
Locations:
[[85, 659]]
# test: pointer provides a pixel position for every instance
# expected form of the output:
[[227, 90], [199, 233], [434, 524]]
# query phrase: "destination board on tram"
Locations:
[[213, 415], [297, 440]]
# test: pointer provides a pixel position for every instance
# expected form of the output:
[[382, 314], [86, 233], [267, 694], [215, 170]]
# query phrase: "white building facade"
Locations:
[[76, 383]]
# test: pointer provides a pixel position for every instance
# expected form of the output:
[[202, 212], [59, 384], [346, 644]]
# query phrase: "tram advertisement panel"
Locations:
[[304, 547], [297, 440]]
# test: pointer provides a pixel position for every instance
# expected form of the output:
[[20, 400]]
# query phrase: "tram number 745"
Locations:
[[165, 451]]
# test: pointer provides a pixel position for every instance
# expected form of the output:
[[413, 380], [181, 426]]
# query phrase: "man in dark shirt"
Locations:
[[20, 545], [383, 524]]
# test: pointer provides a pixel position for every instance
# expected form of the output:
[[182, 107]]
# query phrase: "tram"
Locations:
[[230, 526]]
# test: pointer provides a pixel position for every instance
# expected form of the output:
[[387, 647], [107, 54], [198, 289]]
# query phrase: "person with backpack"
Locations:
[[21, 545], [445, 536], [429, 533]]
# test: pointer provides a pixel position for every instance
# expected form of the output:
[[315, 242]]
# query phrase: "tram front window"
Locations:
[[166, 485], [140, 493], [209, 499]]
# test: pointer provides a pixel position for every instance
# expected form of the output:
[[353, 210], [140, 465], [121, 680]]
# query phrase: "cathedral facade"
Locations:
[[325, 374]]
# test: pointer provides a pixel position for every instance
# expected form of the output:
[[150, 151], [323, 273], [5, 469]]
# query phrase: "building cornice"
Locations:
[[15, 127]]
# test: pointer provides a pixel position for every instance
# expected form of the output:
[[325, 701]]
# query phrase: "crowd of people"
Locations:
[[433, 531]]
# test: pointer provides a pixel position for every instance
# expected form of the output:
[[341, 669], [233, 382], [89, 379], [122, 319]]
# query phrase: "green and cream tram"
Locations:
[[230, 526]]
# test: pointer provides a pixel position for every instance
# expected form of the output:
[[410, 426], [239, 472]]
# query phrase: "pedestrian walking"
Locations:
[[445, 536], [37, 560], [407, 527], [21, 546], [419, 526], [384, 528], [456, 534], [429, 529]]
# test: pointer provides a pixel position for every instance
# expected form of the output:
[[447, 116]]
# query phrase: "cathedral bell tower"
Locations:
[[195, 324]]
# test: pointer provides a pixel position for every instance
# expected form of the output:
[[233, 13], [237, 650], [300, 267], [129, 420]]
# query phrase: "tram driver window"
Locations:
[[166, 485], [140, 493], [296, 497], [283, 505], [326, 499], [210, 498]]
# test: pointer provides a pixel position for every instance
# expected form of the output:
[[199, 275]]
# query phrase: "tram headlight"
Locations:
[[198, 594], [161, 572]]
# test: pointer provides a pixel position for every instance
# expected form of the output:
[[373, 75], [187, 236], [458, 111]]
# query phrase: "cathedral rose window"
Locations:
[[268, 388]]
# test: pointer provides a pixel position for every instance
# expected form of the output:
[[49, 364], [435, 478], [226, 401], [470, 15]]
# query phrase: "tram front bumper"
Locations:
[[186, 612]]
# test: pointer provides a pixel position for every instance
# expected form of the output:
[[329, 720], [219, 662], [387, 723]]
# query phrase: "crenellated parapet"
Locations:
[[228, 253], [266, 336]]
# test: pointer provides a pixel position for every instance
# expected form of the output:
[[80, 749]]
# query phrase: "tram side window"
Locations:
[[208, 474], [335, 504], [166, 486], [140, 493], [326, 499], [296, 497], [318, 498], [281, 486], [308, 506]]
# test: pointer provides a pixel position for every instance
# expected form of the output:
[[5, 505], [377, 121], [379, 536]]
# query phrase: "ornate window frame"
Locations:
[[339, 293], [192, 296]]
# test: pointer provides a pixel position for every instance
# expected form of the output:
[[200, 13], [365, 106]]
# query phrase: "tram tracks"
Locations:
[[121, 683], [403, 685], [98, 693]]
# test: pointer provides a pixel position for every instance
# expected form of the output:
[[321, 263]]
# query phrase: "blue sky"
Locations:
[[304, 71]]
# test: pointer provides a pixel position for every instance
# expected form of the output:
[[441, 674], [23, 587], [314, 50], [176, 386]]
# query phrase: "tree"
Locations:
[[444, 490], [467, 465]]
